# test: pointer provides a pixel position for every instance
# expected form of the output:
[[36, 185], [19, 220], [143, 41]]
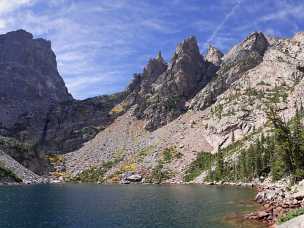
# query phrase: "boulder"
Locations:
[[262, 214], [134, 178]]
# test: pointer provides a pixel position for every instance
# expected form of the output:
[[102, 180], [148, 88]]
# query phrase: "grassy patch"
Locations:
[[290, 215], [169, 154], [8, 175], [94, 174], [217, 111], [263, 83], [145, 152], [55, 158], [202, 163], [158, 174], [120, 108]]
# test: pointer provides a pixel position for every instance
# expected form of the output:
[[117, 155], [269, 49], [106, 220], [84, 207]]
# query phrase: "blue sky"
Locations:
[[100, 43]]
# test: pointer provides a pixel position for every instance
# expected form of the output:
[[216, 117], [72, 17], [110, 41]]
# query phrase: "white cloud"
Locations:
[[284, 11], [7, 6], [3, 24]]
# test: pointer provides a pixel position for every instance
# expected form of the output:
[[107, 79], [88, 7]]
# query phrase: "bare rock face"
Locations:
[[162, 90], [214, 59], [141, 86], [237, 61], [70, 124], [214, 56], [66, 126], [29, 78]]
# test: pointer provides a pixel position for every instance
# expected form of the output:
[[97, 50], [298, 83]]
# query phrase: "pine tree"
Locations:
[[251, 161], [219, 164], [283, 140], [258, 158], [298, 146], [243, 165]]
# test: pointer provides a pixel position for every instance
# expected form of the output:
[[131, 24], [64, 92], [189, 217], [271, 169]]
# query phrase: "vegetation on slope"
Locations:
[[290, 215], [8, 176], [277, 154], [160, 173], [202, 163], [25, 153], [95, 174]]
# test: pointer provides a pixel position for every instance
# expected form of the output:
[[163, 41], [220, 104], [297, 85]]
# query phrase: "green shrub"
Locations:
[[158, 175], [290, 215], [94, 174], [4, 173], [169, 154], [202, 163]]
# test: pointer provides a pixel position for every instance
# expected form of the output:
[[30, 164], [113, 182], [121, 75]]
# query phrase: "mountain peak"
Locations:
[[214, 55], [17, 35], [159, 56], [188, 45], [256, 41]]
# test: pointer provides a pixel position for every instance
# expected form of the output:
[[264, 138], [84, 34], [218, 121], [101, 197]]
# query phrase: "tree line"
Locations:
[[279, 153]]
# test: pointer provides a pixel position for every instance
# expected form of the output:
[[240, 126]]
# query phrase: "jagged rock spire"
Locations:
[[159, 56], [214, 55], [255, 42]]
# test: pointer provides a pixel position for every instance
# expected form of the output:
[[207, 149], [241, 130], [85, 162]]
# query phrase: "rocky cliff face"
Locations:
[[162, 91], [29, 78], [238, 60], [68, 125]]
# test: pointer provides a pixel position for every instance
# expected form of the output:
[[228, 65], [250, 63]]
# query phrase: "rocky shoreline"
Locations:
[[275, 199]]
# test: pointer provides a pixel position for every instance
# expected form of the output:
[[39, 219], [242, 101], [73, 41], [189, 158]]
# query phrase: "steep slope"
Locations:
[[26, 154], [15, 172]]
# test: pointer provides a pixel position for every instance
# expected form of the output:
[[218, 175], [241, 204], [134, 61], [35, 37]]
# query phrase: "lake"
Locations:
[[124, 206]]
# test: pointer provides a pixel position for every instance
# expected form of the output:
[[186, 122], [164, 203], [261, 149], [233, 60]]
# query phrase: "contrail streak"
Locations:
[[221, 25]]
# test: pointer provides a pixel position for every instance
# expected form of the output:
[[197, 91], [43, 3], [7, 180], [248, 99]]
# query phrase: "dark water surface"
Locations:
[[123, 206]]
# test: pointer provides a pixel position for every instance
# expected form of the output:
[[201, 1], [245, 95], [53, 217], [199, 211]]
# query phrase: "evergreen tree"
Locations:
[[258, 158], [251, 161], [298, 147], [283, 141], [219, 164], [243, 165]]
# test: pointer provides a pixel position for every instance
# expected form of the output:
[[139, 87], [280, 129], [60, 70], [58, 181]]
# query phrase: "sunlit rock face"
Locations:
[[242, 57]]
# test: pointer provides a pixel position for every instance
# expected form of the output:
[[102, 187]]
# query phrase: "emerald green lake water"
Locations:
[[124, 206]]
